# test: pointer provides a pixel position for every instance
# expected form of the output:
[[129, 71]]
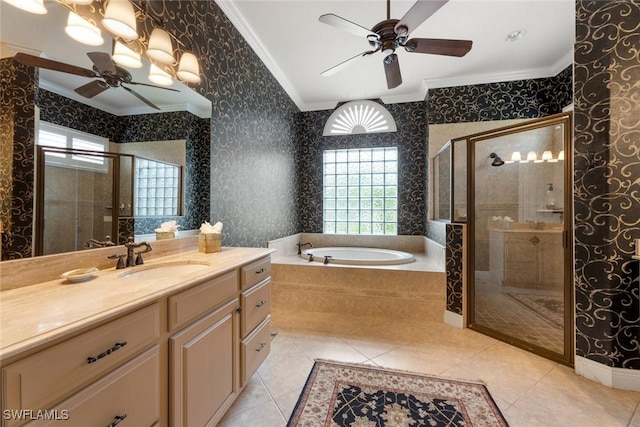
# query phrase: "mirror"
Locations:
[[114, 114]]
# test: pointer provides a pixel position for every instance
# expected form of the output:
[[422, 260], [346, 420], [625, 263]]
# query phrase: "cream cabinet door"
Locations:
[[204, 368]]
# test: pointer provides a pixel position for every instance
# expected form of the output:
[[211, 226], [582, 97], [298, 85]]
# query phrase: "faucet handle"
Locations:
[[120, 264]]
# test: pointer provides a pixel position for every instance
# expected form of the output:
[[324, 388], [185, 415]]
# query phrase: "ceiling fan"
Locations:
[[391, 34], [104, 68]]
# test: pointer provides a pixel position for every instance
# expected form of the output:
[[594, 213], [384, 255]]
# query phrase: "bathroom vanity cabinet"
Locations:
[[178, 359]]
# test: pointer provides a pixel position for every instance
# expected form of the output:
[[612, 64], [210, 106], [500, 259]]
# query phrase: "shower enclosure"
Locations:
[[515, 197]]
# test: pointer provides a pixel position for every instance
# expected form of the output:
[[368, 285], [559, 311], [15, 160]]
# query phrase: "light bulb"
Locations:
[[561, 155]]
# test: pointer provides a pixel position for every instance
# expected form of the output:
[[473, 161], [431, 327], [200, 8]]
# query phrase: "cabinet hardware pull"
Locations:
[[262, 270], [261, 346], [239, 310], [117, 420], [116, 346], [261, 303]]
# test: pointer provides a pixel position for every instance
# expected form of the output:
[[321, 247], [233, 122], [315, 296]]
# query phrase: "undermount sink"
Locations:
[[164, 270]]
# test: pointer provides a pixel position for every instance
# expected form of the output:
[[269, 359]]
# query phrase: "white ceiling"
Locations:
[[296, 47]]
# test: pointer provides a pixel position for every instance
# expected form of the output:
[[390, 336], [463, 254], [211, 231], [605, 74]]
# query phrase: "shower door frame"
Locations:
[[565, 119]]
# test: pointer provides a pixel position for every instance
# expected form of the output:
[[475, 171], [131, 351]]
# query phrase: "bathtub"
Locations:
[[357, 256]]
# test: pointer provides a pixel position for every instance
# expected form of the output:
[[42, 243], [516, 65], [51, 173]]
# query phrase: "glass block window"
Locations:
[[157, 188], [360, 191]]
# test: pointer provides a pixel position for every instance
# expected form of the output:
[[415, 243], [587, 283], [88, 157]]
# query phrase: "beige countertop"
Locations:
[[35, 314], [527, 230]]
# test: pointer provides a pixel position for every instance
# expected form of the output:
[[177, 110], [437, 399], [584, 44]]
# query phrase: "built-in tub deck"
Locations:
[[413, 291]]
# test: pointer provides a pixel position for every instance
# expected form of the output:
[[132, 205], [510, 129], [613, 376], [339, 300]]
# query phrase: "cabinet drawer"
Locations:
[[256, 305], [254, 349], [255, 272], [131, 391], [194, 302], [40, 380]]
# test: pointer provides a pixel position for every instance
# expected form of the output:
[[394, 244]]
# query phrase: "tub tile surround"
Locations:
[[413, 291]]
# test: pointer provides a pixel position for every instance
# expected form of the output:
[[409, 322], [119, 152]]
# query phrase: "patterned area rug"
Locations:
[[342, 394]]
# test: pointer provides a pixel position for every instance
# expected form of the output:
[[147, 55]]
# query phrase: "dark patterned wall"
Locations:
[[17, 157], [411, 140], [521, 99], [66, 112], [454, 254], [253, 183], [606, 184]]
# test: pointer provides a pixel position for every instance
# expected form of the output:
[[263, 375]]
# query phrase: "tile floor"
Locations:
[[531, 391]]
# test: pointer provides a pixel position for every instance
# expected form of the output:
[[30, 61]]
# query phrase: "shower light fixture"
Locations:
[[532, 156], [83, 31], [32, 6]]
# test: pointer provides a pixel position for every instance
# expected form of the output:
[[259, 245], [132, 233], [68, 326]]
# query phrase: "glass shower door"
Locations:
[[520, 278]]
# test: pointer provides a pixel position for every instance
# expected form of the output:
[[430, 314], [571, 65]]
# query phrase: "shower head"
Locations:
[[497, 161]]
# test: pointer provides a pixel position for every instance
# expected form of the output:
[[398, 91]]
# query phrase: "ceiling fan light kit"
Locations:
[[83, 31], [160, 47], [32, 6], [391, 34], [120, 19], [124, 56]]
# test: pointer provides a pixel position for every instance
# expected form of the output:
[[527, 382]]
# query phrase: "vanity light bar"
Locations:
[[532, 156]]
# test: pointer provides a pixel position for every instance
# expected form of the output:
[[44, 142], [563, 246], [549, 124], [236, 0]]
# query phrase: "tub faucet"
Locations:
[[300, 245]]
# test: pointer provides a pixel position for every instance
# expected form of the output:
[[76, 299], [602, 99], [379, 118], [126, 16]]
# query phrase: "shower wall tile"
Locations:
[[606, 185]]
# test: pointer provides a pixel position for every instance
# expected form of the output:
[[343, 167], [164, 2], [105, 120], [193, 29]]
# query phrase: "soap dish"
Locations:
[[80, 274]]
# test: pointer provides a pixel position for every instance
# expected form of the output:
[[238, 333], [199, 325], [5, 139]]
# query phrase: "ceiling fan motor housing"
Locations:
[[388, 40]]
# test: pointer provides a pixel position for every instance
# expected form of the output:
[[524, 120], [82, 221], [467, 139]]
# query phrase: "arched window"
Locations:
[[359, 117]]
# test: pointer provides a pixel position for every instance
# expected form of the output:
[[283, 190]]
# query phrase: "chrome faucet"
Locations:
[[300, 245], [133, 258], [93, 243]]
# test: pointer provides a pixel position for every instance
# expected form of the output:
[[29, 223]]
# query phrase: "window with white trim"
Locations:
[[56, 136], [360, 191]]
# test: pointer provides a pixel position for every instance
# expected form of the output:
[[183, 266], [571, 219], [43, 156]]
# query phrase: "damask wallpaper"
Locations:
[[411, 140], [253, 182], [520, 99], [606, 184]]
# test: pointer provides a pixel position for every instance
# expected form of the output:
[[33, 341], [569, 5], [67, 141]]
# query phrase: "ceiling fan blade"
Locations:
[[344, 64], [36, 61], [392, 71], [439, 46], [157, 87], [92, 89], [418, 13], [141, 98], [346, 25], [102, 62]]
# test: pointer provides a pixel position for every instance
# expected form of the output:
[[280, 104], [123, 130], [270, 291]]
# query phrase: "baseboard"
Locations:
[[453, 319], [619, 378]]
